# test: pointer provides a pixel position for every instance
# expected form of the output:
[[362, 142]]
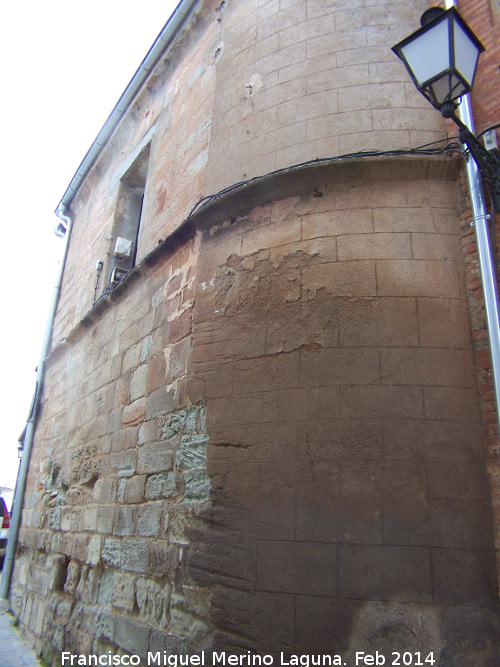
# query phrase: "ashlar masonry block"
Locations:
[[123, 596], [163, 485], [153, 601], [149, 519], [155, 457]]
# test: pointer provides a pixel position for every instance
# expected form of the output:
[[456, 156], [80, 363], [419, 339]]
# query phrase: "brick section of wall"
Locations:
[[483, 18], [118, 472], [349, 495]]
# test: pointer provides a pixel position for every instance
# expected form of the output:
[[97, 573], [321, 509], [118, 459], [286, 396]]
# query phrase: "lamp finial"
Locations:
[[430, 14]]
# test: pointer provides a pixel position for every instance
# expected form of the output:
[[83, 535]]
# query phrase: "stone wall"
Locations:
[[268, 436], [172, 116], [349, 492], [280, 437], [249, 86], [118, 472], [302, 80]]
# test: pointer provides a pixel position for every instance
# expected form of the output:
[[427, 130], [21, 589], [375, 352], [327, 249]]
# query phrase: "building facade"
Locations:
[[266, 421]]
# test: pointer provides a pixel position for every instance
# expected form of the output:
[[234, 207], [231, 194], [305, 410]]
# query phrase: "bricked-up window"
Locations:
[[127, 219]]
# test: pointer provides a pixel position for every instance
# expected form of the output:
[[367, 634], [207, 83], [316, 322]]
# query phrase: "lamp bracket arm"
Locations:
[[488, 162]]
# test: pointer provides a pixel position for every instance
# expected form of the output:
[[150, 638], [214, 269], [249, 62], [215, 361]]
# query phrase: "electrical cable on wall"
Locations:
[[451, 147], [433, 148]]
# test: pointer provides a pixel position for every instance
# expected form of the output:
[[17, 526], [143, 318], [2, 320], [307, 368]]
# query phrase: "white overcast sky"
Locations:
[[64, 65]]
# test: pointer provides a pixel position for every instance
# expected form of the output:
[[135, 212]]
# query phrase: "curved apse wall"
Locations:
[[313, 79]]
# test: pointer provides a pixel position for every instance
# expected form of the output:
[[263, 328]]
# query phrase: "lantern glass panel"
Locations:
[[466, 54], [429, 54], [448, 87]]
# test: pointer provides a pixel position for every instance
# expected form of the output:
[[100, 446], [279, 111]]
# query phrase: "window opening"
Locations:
[[129, 209]]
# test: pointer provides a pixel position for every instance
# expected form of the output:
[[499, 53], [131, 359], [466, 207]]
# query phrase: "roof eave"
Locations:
[[160, 45]]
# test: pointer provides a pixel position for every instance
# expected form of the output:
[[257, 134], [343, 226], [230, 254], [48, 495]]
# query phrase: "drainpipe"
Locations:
[[30, 425], [485, 252]]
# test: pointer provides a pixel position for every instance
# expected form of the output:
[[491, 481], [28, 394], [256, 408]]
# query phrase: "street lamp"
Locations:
[[441, 58]]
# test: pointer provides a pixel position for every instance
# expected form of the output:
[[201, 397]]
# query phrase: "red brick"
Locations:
[[484, 359], [490, 418], [490, 443]]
